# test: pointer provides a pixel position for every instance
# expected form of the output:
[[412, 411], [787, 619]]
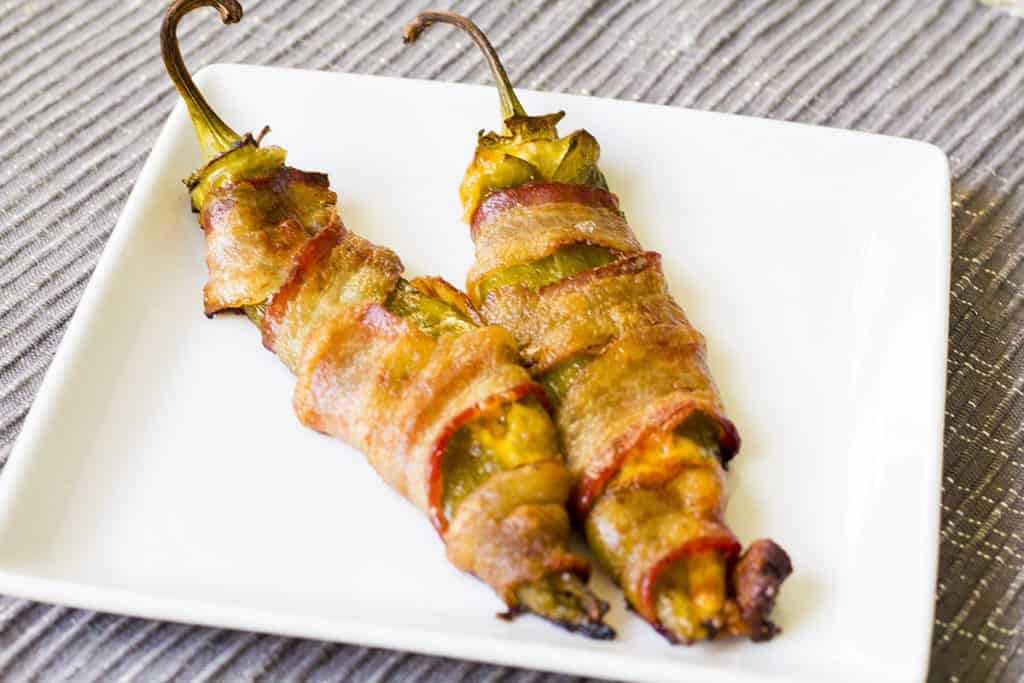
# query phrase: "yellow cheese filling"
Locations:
[[516, 434]]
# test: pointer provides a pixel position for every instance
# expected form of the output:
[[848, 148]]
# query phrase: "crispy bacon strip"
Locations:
[[592, 300], [397, 394], [647, 375], [649, 371], [398, 369], [640, 417], [528, 233], [381, 384], [334, 269]]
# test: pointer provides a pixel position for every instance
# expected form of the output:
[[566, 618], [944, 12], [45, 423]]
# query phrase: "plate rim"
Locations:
[[341, 629]]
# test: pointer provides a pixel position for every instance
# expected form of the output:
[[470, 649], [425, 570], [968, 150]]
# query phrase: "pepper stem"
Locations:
[[215, 136], [510, 105]]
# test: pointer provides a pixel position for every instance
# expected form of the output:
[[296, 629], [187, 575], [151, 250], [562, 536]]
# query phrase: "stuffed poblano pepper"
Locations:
[[638, 414], [399, 369]]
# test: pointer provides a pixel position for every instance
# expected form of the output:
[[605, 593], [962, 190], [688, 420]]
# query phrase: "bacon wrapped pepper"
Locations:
[[639, 416], [399, 369]]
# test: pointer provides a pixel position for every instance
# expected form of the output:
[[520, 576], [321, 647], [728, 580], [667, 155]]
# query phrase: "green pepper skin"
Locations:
[[629, 369], [512, 439]]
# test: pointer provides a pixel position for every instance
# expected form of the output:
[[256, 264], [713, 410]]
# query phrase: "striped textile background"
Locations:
[[83, 93]]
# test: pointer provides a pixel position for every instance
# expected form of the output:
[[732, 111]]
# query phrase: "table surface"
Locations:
[[83, 93]]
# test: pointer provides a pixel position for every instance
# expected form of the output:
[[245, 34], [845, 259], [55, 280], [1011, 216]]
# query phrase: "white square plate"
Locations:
[[162, 473]]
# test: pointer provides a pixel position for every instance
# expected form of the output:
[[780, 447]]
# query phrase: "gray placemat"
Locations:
[[83, 93]]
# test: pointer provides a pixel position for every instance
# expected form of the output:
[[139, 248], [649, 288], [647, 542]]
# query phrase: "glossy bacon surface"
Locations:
[[644, 375], [253, 229], [530, 222], [375, 380], [402, 370], [637, 411]]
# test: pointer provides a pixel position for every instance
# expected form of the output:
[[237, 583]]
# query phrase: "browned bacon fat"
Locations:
[[440, 406], [639, 416]]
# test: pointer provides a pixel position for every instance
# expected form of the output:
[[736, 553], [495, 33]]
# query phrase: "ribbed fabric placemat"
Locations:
[[83, 94]]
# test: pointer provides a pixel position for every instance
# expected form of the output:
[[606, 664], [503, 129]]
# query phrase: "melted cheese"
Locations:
[[516, 434]]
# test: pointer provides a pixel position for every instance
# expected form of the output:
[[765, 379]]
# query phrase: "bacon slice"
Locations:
[[537, 193], [757, 578], [654, 527], [652, 379], [512, 529], [398, 395], [380, 383], [645, 375], [602, 304], [508, 232], [253, 230], [333, 270]]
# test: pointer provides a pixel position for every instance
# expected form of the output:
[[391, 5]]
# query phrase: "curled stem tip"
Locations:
[[215, 136], [510, 105]]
